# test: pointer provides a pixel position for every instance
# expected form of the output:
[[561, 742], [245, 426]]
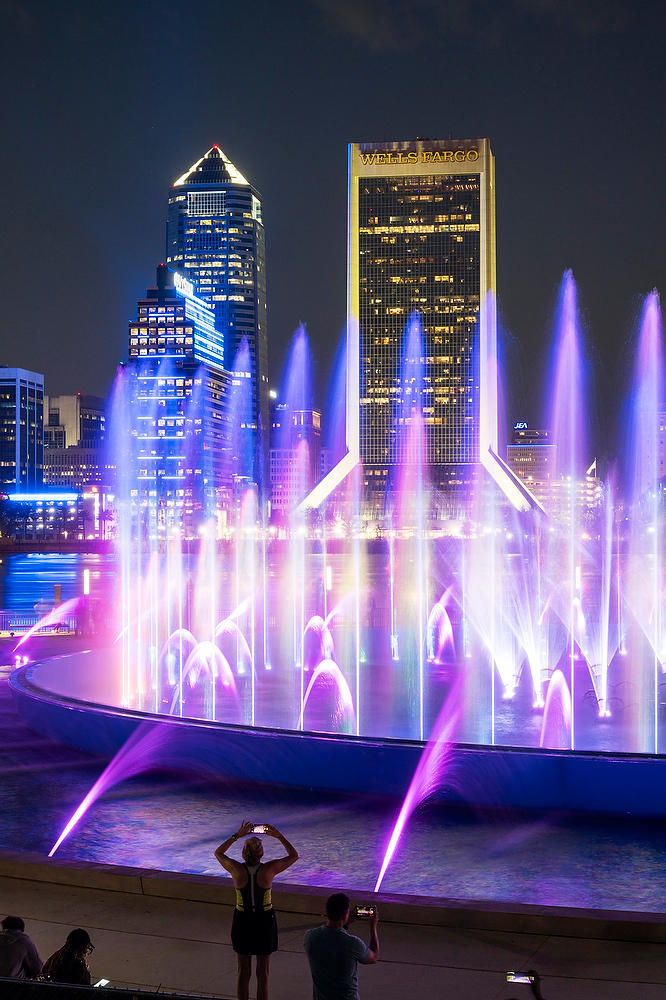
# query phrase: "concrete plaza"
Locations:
[[161, 930]]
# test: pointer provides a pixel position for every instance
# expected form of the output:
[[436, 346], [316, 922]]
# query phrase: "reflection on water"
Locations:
[[160, 823], [29, 578], [175, 823]]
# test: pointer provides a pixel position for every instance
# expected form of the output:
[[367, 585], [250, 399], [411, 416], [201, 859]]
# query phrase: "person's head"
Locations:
[[253, 850], [337, 907], [79, 942], [13, 924]]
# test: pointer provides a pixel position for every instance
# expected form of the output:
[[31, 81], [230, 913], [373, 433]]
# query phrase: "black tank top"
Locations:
[[252, 898]]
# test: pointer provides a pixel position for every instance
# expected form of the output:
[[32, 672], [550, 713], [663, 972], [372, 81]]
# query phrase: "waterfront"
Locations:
[[28, 578], [174, 822]]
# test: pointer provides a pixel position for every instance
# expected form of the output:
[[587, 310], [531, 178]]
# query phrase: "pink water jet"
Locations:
[[141, 752], [55, 616], [556, 725], [328, 678], [317, 642], [439, 632], [431, 771], [233, 644], [206, 658]]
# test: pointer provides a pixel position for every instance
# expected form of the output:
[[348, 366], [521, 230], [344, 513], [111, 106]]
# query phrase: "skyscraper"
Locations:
[[178, 395], [74, 437], [294, 457], [21, 430], [531, 456], [77, 419], [421, 241], [215, 238]]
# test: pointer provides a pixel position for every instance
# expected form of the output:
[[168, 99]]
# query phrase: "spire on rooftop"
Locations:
[[213, 168]]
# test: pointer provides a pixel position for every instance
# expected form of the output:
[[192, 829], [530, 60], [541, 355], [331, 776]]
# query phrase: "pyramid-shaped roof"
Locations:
[[213, 168]]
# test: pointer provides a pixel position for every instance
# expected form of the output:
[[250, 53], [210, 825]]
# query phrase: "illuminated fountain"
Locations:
[[258, 622], [532, 628]]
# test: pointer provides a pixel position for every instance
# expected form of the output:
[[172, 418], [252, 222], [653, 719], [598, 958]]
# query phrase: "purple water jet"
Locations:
[[60, 613], [335, 706], [556, 727], [430, 773], [542, 595]]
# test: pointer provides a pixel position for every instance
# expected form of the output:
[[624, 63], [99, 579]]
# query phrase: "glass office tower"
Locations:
[[215, 238], [421, 240], [179, 403], [21, 430]]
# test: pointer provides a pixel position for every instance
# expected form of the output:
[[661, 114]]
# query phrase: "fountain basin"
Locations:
[[55, 698]]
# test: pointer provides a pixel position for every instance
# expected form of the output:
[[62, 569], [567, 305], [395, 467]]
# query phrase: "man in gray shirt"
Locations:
[[334, 953], [18, 955]]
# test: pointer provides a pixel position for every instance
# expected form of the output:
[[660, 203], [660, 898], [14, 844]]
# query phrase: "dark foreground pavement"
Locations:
[[159, 930]]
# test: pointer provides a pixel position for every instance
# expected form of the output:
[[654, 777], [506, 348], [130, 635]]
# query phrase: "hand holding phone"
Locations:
[[519, 977]]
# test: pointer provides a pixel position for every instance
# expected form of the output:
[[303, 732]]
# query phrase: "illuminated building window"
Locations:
[[420, 235]]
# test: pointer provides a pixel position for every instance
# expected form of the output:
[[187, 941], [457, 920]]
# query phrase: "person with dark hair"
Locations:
[[254, 927], [70, 963], [334, 953], [19, 958]]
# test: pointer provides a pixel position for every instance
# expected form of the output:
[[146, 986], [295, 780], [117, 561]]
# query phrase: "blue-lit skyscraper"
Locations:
[[179, 413], [21, 430], [215, 239]]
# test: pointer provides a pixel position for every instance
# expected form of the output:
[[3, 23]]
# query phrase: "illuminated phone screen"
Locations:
[[518, 977]]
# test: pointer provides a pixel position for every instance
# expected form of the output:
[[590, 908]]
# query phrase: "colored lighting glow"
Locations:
[[55, 497], [524, 592], [183, 286]]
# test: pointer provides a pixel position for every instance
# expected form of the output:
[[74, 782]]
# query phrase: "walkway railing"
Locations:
[[19, 622], [34, 989]]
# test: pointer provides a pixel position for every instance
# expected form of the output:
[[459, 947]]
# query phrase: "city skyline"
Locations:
[[567, 97]]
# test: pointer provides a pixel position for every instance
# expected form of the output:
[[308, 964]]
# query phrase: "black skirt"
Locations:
[[254, 933]]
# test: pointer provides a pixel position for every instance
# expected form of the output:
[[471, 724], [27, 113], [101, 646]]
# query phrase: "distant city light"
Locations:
[[42, 497]]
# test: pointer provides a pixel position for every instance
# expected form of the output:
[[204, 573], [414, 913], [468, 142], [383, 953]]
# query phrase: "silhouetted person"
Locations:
[[70, 963], [254, 928], [334, 953], [19, 958]]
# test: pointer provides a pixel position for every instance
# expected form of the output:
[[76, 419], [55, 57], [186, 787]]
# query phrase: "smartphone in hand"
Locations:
[[519, 977]]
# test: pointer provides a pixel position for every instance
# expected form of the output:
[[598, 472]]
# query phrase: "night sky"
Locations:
[[104, 105]]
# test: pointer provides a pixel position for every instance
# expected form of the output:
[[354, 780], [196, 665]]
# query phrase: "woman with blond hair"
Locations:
[[254, 927]]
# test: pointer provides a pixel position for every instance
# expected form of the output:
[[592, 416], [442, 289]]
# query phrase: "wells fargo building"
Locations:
[[421, 240]]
